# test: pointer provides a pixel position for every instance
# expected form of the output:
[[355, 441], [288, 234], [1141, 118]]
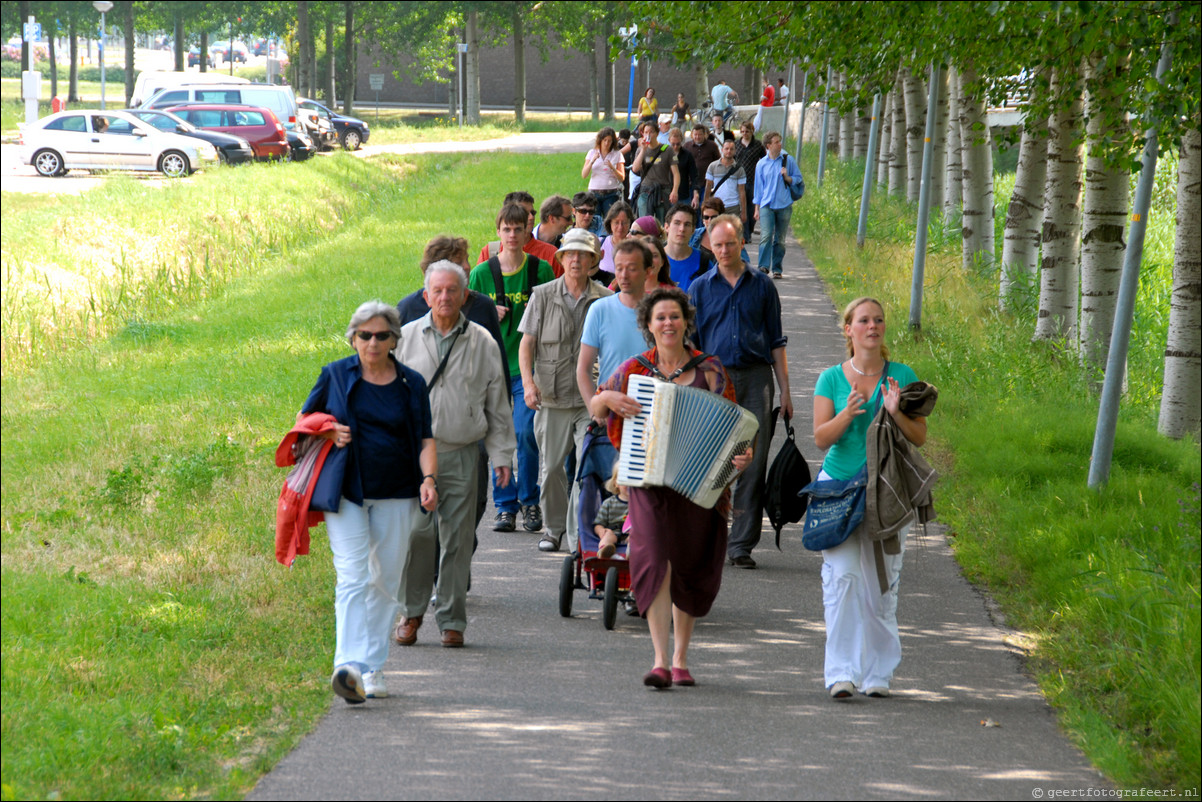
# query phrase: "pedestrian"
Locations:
[[388, 486], [676, 547], [775, 175], [739, 321], [469, 403], [863, 647], [748, 152], [605, 170], [657, 165], [648, 106], [680, 111], [767, 101]]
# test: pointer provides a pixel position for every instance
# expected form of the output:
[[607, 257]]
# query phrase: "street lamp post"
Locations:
[[103, 6]]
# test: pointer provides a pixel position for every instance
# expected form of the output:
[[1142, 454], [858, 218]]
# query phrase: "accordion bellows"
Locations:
[[684, 439]]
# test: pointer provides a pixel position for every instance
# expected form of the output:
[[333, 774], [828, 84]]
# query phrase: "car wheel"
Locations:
[[174, 164], [48, 163], [351, 139]]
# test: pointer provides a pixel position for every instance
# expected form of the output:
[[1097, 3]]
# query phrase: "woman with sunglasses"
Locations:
[[384, 445]]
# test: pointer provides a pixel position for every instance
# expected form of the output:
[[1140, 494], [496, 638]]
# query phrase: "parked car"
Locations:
[[194, 57], [318, 125], [302, 145], [90, 139], [221, 50], [151, 82], [351, 131], [259, 126], [232, 149], [280, 99]]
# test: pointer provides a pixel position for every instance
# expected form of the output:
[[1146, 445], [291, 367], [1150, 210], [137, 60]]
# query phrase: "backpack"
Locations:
[[788, 475]]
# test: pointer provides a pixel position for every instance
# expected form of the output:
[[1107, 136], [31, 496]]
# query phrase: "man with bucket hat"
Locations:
[[547, 355]]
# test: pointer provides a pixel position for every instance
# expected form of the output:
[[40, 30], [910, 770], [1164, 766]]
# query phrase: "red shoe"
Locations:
[[681, 676], [657, 678]]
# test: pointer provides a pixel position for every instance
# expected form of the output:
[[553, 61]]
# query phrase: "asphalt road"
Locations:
[[543, 707]]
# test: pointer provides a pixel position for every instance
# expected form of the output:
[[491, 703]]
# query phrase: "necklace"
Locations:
[[674, 373], [852, 362]]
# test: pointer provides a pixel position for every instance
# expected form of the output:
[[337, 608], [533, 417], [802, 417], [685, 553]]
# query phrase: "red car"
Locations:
[[257, 125]]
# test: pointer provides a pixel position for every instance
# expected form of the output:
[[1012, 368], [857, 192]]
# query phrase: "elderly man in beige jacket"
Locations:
[[469, 402]]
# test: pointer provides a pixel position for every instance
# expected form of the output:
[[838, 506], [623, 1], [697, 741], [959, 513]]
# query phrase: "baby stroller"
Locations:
[[604, 579]]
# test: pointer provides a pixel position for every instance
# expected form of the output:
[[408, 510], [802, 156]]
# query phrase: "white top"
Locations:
[[604, 174]]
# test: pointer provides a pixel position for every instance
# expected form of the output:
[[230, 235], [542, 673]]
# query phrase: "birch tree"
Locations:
[[1104, 211], [915, 114], [1024, 217], [939, 146], [976, 173], [1058, 274], [1181, 402], [897, 140], [886, 149], [953, 172]]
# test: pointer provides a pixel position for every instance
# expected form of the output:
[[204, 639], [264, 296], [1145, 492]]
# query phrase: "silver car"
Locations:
[[109, 140]]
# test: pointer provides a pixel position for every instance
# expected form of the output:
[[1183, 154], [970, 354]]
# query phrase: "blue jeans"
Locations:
[[774, 227], [522, 490], [605, 199]]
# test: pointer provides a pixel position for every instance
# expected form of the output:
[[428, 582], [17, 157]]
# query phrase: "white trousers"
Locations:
[[368, 556], [862, 642]]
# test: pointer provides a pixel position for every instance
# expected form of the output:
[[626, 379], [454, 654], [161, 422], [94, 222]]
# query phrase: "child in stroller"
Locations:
[[610, 525]]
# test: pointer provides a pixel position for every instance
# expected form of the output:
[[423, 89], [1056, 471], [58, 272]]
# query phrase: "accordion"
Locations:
[[684, 439]]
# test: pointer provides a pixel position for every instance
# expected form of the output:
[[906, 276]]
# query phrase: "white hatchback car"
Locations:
[[109, 140]]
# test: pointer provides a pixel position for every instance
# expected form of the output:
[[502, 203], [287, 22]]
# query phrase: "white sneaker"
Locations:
[[373, 685], [347, 682], [842, 690], [878, 692]]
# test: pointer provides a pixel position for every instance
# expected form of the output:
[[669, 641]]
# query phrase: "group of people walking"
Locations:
[[511, 361]]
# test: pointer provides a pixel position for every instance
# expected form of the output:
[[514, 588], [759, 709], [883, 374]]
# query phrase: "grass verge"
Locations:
[[1106, 583], [152, 646]]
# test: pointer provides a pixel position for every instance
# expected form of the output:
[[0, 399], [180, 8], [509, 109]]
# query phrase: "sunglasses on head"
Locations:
[[382, 336]]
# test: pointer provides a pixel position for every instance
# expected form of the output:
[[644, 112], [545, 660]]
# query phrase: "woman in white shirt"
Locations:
[[604, 168]]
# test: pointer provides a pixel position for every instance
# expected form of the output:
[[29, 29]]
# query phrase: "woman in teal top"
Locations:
[[863, 647]]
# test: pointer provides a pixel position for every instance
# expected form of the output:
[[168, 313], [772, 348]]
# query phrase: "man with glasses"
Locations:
[[555, 217], [584, 210]]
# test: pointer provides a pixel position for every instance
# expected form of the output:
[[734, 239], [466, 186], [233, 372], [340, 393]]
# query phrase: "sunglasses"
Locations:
[[708, 217], [382, 336]]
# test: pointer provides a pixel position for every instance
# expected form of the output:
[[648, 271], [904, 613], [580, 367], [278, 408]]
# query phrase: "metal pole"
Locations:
[[634, 62], [1120, 338], [924, 201], [102, 37], [458, 79], [866, 189], [826, 121]]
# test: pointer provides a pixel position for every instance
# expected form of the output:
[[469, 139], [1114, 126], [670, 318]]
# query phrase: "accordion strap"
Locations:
[[658, 374]]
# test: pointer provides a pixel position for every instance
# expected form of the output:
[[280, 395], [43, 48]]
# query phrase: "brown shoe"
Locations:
[[406, 630], [452, 639]]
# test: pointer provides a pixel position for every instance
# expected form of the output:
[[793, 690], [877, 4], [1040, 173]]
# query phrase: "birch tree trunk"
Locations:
[[915, 110], [863, 125], [847, 130], [594, 84], [1103, 224], [953, 172], [897, 158], [701, 89], [1059, 271], [1024, 218], [886, 144], [1181, 403], [976, 174], [939, 146], [471, 94], [832, 133], [519, 65]]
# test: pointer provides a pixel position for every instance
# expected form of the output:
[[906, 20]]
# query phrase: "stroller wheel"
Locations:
[[567, 583], [611, 597]]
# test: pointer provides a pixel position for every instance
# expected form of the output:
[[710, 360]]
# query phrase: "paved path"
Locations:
[[542, 707]]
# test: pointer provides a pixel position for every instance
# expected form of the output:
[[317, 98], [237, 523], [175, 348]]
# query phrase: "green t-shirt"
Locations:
[[848, 455], [481, 281]]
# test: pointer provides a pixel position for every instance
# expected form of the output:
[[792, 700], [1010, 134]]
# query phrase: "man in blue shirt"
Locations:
[[738, 321], [774, 174]]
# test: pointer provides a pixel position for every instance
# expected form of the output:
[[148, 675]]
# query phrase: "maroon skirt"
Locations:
[[668, 529]]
